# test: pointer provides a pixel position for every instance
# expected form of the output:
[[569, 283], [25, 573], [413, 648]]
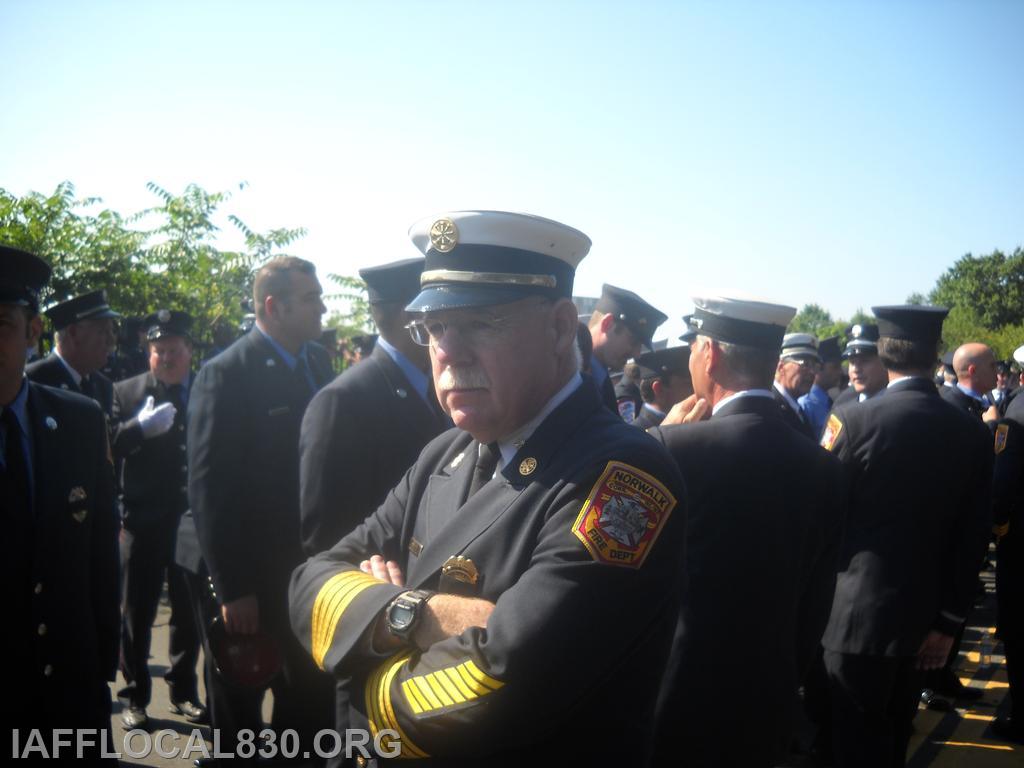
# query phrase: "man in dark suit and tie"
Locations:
[[84, 338], [620, 327], [908, 565], [61, 566], [149, 411], [245, 413], [762, 538], [367, 427]]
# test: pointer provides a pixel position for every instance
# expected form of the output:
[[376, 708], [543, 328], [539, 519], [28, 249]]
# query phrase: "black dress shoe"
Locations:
[[135, 718], [947, 683], [194, 713], [1008, 729]]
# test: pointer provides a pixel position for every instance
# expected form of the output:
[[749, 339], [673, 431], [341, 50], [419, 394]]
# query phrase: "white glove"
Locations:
[[156, 420]]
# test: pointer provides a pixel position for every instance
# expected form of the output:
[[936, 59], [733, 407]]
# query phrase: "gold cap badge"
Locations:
[[444, 235], [527, 466]]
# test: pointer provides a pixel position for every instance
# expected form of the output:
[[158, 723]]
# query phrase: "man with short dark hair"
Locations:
[[84, 337], [361, 432], [666, 381], [515, 587], [244, 415], [149, 412], [868, 376], [621, 325], [762, 537], [61, 616], [909, 561]]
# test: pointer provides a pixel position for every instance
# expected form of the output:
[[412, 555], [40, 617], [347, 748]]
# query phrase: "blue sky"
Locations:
[[843, 153]]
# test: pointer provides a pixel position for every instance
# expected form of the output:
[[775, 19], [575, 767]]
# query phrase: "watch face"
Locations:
[[401, 616]]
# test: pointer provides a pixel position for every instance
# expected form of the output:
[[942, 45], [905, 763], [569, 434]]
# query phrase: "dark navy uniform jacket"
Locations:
[[793, 418], [61, 571], [1008, 518], [763, 527], [53, 373], [244, 415], [961, 400], [577, 540], [153, 472], [359, 435], [918, 473]]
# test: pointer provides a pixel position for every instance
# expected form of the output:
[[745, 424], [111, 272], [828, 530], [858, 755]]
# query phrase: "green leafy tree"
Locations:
[[992, 286], [163, 257], [811, 319]]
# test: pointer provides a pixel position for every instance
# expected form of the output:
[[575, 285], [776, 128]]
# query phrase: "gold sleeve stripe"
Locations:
[[416, 701], [329, 590], [449, 690], [466, 691], [471, 682], [482, 676], [435, 686], [428, 694], [380, 713], [332, 600], [448, 687], [408, 748], [329, 595]]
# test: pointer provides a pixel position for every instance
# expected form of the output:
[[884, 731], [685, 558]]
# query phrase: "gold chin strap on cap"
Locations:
[[492, 278]]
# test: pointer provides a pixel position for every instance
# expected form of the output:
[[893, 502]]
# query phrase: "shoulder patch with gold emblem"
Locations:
[[1002, 432], [623, 515], [832, 429]]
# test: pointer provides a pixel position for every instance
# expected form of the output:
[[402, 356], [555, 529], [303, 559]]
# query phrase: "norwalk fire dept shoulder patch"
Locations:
[[1002, 432], [623, 515], [831, 433]]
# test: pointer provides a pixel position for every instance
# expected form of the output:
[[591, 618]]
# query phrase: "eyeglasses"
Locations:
[[804, 362], [477, 329]]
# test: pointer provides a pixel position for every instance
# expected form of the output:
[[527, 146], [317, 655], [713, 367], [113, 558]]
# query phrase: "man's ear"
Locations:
[[566, 322], [657, 387], [607, 323], [34, 330]]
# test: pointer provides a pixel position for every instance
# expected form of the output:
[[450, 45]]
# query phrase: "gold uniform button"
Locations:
[[42, 629], [48, 670], [39, 588], [360, 761]]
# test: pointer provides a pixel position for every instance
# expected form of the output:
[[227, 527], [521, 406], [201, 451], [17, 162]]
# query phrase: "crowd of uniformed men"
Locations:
[[476, 545]]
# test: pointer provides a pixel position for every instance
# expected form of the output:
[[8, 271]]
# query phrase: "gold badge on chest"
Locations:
[[459, 576]]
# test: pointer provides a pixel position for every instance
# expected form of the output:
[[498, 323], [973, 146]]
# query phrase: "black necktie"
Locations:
[[14, 479], [175, 393], [486, 463]]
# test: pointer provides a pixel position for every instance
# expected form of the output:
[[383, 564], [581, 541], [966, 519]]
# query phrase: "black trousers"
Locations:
[[303, 695], [1010, 597], [147, 559], [874, 699]]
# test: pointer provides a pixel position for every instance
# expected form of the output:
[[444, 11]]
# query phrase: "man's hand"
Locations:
[[155, 420], [241, 616], [387, 571], [687, 411], [934, 650], [992, 414], [449, 616]]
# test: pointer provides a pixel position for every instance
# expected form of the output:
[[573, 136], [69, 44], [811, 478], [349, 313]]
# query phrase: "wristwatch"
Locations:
[[404, 612]]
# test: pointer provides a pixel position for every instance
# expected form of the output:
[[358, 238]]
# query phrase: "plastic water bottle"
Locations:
[[985, 660]]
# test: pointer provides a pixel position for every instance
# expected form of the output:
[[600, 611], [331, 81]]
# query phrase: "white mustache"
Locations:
[[463, 378]]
